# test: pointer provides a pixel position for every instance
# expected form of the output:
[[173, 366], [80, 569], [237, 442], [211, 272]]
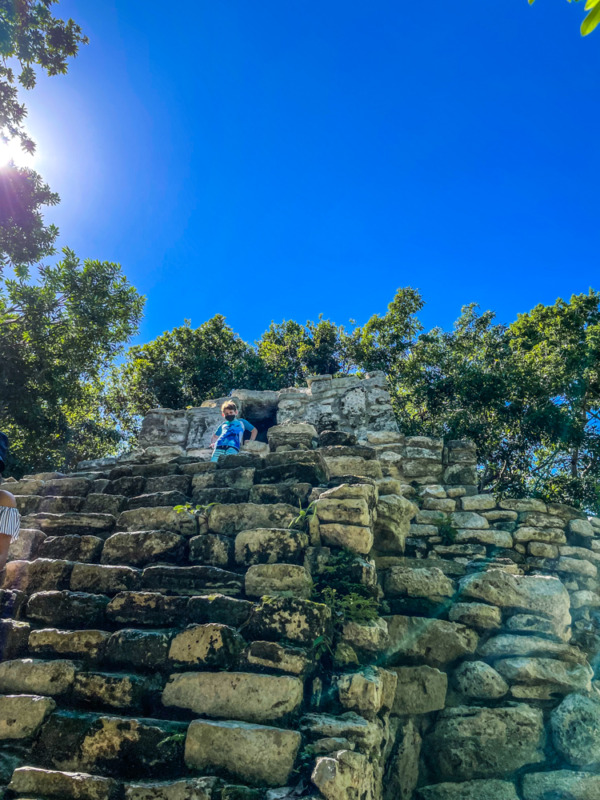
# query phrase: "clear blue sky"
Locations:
[[280, 158]]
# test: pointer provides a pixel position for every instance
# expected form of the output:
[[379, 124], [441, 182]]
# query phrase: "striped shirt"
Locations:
[[10, 522]]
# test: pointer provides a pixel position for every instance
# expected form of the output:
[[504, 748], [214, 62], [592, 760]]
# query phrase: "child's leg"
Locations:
[[217, 453]]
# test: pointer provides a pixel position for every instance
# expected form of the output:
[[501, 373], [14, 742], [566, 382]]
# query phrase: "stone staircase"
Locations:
[[155, 654]]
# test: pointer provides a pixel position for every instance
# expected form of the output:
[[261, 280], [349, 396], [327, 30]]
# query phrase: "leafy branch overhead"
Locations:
[[591, 20]]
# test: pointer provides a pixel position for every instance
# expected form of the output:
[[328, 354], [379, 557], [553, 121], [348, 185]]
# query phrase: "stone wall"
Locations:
[[156, 655]]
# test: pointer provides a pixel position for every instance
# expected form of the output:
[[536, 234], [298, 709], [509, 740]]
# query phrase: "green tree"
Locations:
[[58, 335], [31, 39]]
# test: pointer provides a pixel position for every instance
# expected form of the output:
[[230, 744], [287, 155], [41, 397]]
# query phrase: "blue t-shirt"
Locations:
[[231, 434]]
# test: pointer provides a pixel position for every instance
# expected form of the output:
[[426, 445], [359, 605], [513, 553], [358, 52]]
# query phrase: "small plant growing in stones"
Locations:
[[201, 512], [447, 532], [336, 586], [302, 521]]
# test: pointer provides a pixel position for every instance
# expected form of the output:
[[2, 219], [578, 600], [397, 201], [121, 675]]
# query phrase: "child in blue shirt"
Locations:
[[229, 436]]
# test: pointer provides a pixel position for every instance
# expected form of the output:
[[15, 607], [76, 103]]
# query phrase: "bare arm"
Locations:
[[253, 434], [7, 499]]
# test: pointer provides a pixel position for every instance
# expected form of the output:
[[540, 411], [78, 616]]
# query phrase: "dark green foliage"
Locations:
[[337, 586], [447, 532], [57, 336]]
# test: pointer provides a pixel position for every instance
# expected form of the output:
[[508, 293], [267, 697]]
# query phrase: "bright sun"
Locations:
[[11, 151]]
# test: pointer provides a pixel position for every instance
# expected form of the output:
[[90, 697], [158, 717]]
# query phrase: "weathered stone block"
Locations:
[[576, 730], [468, 743], [344, 773], [269, 546], [427, 582], [506, 644], [278, 580], [195, 580], [231, 519], [189, 789], [470, 790], [146, 608], [105, 689], [85, 549], [476, 615], [394, 515], [211, 549], [257, 754], [138, 649], [13, 638], [101, 579], [560, 783], [27, 545], [235, 695], [479, 681], [559, 677], [299, 621], [101, 503], [237, 478], [352, 537], [67, 608], [279, 658], [143, 547], [87, 645], [419, 690], [434, 641], [64, 785], [31, 676], [210, 645], [290, 494], [220, 609], [158, 518], [22, 715], [38, 575]]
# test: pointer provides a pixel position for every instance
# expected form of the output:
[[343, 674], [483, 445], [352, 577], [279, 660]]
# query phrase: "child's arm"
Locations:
[[215, 436]]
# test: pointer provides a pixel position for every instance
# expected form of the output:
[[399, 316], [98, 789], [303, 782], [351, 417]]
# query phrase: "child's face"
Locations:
[[230, 414]]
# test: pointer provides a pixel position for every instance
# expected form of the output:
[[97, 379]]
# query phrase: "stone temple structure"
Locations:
[[338, 615]]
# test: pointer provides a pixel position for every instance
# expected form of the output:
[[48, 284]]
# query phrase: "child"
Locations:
[[10, 520], [229, 436]]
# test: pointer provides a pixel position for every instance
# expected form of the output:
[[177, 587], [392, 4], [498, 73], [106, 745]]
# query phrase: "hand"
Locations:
[[212, 445]]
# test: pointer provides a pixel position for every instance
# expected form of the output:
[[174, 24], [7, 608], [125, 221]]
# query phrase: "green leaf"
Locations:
[[591, 4], [591, 21]]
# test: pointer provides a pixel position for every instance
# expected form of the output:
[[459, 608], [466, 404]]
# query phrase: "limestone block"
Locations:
[[169, 483], [113, 691], [561, 783], [143, 547], [351, 511], [460, 474], [343, 775], [291, 494], [158, 518], [71, 487], [582, 527], [269, 546], [372, 637], [476, 615], [275, 580], [468, 519], [478, 502], [25, 487], [293, 434], [296, 466], [402, 774], [27, 546], [126, 486], [138, 649], [163, 426], [542, 550], [256, 754], [71, 547], [419, 690], [470, 790], [575, 728], [355, 491], [196, 580], [353, 465], [99, 503], [447, 505], [394, 515], [210, 645], [532, 624], [64, 785], [434, 641], [585, 599], [38, 575], [102, 579], [506, 644], [277, 657], [31, 676], [21, 716], [366, 735], [479, 681], [220, 609], [76, 644], [526, 504], [537, 594], [575, 566], [494, 537], [236, 478], [146, 608], [74, 523], [190, 789], [561, 677], [162, 499], [118, 746], [367, 692], [231, 519], [427, 582], [211, 549], [352, 537], [298, 620], [468, 743]]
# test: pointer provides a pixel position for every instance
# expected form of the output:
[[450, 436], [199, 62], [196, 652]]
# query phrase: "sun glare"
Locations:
[[12, 151]]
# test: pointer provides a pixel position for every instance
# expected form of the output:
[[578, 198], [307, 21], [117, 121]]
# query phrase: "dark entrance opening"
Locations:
[[263, 415]]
